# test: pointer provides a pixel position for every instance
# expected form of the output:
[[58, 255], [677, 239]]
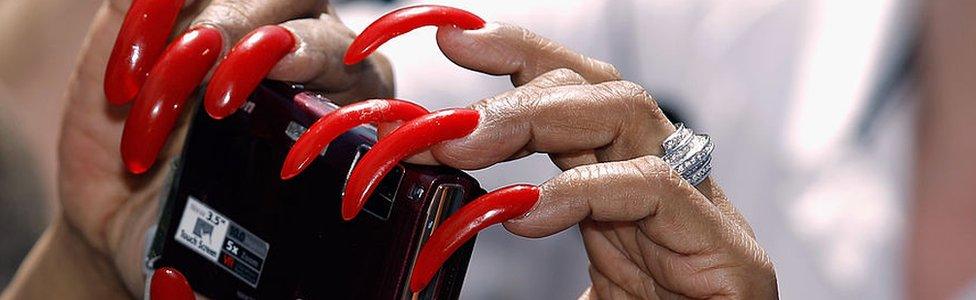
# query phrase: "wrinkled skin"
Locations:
[[662, 238]]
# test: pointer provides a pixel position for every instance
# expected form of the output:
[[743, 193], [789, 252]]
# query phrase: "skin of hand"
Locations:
[[648, 233], [945, 168], [660, 238], [107, 210]]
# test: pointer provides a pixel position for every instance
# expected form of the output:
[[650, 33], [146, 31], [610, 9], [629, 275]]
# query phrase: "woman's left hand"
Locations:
[[648, 232]]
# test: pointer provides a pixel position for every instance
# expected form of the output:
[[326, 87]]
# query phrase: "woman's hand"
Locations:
[[109, 207], [648, 232]]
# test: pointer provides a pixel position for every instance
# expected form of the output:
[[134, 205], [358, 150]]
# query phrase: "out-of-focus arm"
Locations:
[[63, 266], [943, 238]]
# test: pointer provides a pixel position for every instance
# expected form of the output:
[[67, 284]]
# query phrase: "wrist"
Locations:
[[62, 263]]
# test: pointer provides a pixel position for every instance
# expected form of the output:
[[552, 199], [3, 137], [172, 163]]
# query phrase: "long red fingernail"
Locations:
[[160, 102], [140, 41], [169, 284], [330, 126], [498, 206], [244, 67], [404, 20], [411, 138]]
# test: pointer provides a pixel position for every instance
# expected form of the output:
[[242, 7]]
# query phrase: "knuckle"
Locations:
[[656, 171], [580, 174], [605, 68], [561, 72], [546, 80], [638, 100], [564, 75], [513, 34], [229, 14], [335, 24], [639, 96], [511, 105]]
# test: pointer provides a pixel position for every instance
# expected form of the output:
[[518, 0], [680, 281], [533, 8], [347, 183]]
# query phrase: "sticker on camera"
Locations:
[[221, 241]]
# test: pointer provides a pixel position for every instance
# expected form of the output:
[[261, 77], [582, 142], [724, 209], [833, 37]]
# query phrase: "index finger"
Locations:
[[675, 214], [506, 49]]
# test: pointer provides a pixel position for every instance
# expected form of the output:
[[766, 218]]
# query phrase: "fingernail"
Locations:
[[412, 137], [489, 209], [141, 39], [169, 284], [330, 126], [404, 20], [180, 70], [244, 68]]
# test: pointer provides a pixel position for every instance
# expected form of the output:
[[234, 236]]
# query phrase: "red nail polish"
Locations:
[[498, 206], [244, 68], [141, 40], [412, 137], [169, 284], [330, 126], [404, 20], [157, 106]]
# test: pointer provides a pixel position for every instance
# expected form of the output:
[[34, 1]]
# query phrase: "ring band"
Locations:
[[688, 154]]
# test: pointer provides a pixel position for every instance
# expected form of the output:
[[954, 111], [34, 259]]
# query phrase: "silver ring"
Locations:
[[677, 138], [700, 176], [688, 154], [679, 145]]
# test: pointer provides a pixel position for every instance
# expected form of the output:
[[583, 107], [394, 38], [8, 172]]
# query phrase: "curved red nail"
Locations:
[[244, 67], [498, 206], [160, 102], [411, 138], [141, 40], [404, 20], [330, 126], [169, 284]]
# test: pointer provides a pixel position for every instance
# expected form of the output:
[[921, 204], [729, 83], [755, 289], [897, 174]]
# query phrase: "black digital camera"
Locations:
[[238, 231]]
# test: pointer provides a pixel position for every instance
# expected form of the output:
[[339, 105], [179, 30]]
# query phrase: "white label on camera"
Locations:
[[223, 242], [202, 229]]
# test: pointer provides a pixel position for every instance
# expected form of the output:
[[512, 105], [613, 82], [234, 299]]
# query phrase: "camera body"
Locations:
[[238, 231]]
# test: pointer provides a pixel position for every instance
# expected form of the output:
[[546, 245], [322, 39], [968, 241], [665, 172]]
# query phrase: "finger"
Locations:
[[608, 192], [511, 50], [317, 62], [140, 41], [505, 49], [489, 209], [601, 285], [613, 263], [736, 269], [168, 283], [606, 289], [411, 138], [556, 78], [403, 20], [330, 126], [618, 118], [184, 66], [236, 77], [235, 18], [305, 50], [160, 102], [714, 193], [674, 214]]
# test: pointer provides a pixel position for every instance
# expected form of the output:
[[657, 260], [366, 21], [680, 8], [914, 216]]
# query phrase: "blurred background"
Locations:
[[841, 129]]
